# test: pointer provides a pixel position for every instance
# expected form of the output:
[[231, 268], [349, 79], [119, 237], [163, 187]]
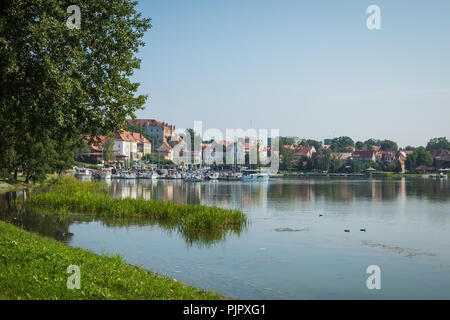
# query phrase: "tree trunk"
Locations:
[[15, 174]]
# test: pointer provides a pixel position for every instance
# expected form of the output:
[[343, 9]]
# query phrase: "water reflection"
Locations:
[[48, 223], [246, 195], [14, 212], [251, 197]]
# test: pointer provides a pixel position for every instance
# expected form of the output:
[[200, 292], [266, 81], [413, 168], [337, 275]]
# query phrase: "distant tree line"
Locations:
[[325, 161]]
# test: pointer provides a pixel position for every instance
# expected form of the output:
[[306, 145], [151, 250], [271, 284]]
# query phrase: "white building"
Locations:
[[126, 145]]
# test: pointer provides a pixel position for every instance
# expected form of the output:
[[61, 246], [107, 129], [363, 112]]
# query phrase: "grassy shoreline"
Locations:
[[35, 267], [13, 186]]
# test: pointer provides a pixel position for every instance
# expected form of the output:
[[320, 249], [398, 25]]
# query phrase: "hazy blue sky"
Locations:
[[310, 68]]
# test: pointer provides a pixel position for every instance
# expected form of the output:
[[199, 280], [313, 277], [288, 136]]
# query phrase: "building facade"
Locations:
[[158, 131]]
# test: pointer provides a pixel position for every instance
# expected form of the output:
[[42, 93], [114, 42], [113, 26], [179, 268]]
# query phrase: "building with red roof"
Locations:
[[363, 156], [158, 131]]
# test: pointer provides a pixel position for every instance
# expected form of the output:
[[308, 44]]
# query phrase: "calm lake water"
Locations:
[[295, 246]]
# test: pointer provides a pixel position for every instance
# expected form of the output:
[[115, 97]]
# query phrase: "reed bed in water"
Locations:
[[70, 194]]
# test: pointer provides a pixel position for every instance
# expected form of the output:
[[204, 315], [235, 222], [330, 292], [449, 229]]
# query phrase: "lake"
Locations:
[[295, 246]]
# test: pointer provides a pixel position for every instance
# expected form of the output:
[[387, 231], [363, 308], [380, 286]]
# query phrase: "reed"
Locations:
[[68, 194]]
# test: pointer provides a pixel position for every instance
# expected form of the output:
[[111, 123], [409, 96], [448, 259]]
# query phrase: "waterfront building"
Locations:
[[165, 151], [158, 131], [363, 156]]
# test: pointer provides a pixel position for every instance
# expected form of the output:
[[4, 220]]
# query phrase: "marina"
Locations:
[[188, 176]]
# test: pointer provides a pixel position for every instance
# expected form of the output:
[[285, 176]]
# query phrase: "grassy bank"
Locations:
[[20, 184], [34, 267], [66, 195]]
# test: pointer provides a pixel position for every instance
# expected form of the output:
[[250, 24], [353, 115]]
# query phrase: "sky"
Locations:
[[308, 68]]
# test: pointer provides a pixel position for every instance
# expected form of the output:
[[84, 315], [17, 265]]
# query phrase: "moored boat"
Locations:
[[255, 176], [105, 174], [193, 178], [83, 172], [212, 176]]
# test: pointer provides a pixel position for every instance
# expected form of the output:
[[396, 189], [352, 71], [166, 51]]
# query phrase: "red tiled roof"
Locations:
[[303, 150], [166, 145], [139, 137], [98, 142], [441, 154], [363, 154], [125, 136], [341, 155]]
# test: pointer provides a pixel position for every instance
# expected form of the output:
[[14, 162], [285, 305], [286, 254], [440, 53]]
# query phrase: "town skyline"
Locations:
[[426, 139], [309, 69]]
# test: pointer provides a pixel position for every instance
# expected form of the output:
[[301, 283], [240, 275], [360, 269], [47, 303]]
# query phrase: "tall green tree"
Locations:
[[372, 142], [419, 157], [323, 161], [339, 144], [438, 143], [314, 143], [388, 145], [108, 148], [359, 145], [423, 157], [352, 166], [287, 157], [60, 82], [335, 164]]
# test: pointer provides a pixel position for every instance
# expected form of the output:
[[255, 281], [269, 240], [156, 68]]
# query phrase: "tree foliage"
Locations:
[[341, 143], [372, 142], [388, 145], [108, 148], [438, 143], [57, 83], [287, 156], [419, 157]]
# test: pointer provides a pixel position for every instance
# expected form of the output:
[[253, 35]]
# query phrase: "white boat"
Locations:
[[150, 175], [231, 176], [83, 172], [145, 175], [176, 176], [443, 176], [153, 176], [127, 175], [196, 178], [255, 176], [105, 174], [116, 175], [212, 176]]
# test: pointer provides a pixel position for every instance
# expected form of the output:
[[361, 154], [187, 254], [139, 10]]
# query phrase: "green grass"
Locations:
[[34, 267], [67, 195], [88, 165], [13, 186]]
